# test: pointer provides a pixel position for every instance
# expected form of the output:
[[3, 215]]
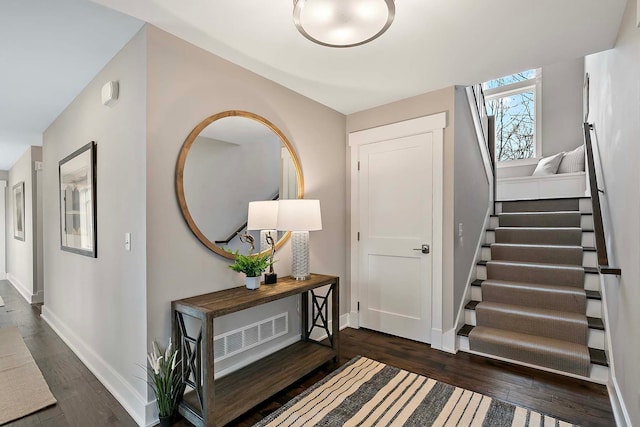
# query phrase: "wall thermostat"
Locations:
[[110, 93]]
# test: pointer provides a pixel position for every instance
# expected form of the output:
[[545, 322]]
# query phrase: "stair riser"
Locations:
[[598, 374], [594, 306], [588, 238], [541, 276], [586, 222], [584, 206], [589, 259], [595, 338]]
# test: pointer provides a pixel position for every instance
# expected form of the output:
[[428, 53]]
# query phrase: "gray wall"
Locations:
[[471, 195], [22, 256], [185, 85], [562, 106], [4, 177], [615, 111], [98, 304], [418, 106]]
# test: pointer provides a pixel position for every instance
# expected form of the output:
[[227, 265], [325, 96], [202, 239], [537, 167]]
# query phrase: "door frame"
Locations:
[[435, 124]]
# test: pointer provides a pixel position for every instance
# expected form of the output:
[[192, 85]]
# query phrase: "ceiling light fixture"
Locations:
[[343, 23]]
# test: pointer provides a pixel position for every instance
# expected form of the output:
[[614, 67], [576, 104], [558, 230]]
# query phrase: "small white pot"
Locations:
[[253, 282]]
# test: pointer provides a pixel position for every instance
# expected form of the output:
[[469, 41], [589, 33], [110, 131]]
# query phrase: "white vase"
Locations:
[[253, 282]]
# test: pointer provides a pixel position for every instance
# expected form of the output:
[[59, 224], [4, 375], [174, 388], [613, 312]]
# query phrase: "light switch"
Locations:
[[460, 230], [127, 242]]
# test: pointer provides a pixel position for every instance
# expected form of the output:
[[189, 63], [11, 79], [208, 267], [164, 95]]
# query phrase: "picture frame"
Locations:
[[77, 184], [18, 211]]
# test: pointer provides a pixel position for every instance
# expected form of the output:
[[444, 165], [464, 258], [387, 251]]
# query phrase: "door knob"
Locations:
[[424, 249]]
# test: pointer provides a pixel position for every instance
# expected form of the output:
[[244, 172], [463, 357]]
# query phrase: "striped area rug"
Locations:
[[368, 393]]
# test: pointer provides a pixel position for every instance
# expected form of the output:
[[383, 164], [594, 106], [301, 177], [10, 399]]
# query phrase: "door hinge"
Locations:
[[358, 305], [358, 236], [358, 165]]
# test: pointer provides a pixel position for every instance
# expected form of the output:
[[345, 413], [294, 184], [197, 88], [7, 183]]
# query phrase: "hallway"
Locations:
[[82, 399]]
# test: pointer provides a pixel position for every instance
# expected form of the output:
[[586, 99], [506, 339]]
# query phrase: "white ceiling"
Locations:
[[50, 49]]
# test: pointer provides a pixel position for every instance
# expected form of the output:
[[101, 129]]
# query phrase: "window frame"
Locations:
[[535, 84]]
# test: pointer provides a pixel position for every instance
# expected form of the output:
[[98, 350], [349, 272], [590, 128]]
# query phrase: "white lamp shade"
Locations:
[[299, 215], [262, 215]]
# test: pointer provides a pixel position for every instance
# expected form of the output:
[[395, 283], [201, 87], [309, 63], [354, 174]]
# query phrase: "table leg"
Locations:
[[335, 318]]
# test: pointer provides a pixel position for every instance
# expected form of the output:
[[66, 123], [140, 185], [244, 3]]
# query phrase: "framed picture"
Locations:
[[18, 211], [77, 174]]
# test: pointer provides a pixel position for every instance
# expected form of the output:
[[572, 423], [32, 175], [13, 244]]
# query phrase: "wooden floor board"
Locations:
[[83, 400]]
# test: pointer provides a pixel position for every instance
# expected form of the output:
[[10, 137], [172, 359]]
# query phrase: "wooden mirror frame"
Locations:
[[182, 157]]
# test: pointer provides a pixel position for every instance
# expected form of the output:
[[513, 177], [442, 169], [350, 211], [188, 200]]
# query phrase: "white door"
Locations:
[[395, 216]]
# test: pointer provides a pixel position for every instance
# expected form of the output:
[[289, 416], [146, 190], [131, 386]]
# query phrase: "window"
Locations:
[[515, 102]]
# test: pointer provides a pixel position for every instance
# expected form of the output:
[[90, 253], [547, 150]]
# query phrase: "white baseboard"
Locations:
[[319, 335], [125, 394], [354, 321], [617, 404], [21, 288]]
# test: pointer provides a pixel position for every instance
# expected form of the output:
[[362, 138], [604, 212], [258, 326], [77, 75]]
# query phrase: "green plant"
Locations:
[[251, 265], [164, 379]]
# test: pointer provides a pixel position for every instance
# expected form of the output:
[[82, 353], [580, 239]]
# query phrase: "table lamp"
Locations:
[[299, 216]]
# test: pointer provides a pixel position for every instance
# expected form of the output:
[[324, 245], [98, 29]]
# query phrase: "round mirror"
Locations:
[[228, 160]]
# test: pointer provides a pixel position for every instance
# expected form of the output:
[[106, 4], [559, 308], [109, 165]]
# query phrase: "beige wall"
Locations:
[[21, 255], [185, 85], [97, 305], [615, 112], [418, 106], [471, 196]]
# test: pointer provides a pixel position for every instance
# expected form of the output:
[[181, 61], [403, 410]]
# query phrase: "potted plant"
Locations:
[[164, 379], [252, 266]]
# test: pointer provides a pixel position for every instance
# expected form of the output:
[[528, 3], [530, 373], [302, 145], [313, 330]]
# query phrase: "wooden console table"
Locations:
[[215, 403]]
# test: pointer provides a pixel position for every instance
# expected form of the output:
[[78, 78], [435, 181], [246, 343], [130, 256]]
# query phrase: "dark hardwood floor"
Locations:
[[83, 401]]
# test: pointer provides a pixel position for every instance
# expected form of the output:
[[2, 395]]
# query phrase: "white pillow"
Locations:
[[548, 165], [573, 161]]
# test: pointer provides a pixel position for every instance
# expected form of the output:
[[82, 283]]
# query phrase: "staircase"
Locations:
[[536, 300]]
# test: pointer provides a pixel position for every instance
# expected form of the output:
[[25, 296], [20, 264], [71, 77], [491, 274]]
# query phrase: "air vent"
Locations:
[[239, 340]]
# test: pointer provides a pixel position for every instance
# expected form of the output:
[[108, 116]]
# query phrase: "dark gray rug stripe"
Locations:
[[428, 410], [349, 407], [500, 414]]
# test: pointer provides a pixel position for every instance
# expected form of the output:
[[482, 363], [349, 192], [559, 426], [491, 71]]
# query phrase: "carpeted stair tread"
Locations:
[[560, 325], [541, 205], [590, 294], [541, 351], [540, 219], [552, 297], [596, 356], [593, 322], [539, 235], [584, 248], [541, 254], [544, 274]]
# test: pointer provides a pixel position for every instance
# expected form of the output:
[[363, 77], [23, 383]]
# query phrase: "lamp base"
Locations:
[[300, 255]]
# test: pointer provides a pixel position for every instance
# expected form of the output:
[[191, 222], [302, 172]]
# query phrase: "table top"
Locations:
[[235, 299]]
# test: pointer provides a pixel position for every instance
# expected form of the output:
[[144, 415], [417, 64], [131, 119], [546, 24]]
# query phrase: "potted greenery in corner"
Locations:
[[164, 379]]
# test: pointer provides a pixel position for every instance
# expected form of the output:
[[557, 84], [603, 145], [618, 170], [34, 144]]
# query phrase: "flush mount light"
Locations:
[[343, 23]]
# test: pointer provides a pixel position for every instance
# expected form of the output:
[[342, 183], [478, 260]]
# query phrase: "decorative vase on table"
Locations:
[[253, 282]]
